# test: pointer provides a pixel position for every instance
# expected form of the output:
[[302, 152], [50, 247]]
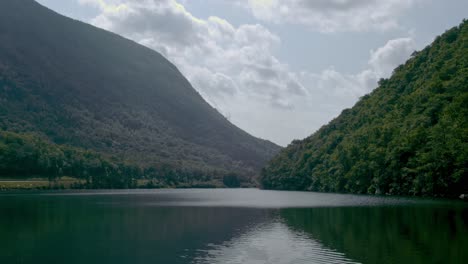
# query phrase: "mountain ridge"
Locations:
[[82, 86], [407, 137]]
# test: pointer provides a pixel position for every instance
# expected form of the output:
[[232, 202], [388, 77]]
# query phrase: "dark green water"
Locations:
[[229, 226]]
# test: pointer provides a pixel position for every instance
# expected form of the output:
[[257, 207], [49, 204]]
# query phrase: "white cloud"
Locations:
[[214, 55], [102, 4], [235, 70], [386, 58], [330, 15]]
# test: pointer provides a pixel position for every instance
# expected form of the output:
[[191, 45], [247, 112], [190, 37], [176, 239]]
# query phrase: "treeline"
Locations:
[[28, 155], [408, 137]]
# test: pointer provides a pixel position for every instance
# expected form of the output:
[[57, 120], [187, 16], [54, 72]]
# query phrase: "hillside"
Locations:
[[408, 137], [77, 85]]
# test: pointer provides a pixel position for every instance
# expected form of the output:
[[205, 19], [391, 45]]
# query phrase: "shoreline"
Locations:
[[69, 183], [59, 186]]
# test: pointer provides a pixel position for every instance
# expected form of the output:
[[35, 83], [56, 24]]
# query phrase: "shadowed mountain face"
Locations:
[[79, 85], [408, 137]]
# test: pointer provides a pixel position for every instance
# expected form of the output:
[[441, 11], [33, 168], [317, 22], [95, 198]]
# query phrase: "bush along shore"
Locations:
[[27, 161]]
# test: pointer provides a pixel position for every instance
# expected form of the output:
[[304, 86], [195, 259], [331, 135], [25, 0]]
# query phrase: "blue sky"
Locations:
[[278, 69]]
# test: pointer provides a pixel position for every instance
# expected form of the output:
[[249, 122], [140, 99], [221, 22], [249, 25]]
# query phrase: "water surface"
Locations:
[[229, 226]]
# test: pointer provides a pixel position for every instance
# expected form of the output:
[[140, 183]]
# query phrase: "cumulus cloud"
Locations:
[[386, 58], [214, 55], [236, 71], [343, 90], [330, 15]]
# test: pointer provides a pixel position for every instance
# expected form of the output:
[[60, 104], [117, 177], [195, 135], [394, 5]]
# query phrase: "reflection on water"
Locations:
[[404, 234], [85, 231], [229, 226], [271, 243]]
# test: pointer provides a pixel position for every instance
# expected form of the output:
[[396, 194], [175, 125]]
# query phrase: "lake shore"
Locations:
[[39, 184], [70, 183]]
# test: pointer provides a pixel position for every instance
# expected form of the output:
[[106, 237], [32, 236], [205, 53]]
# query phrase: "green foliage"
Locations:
[[231, 180], [78, 85], [27, 155], [408, 137]]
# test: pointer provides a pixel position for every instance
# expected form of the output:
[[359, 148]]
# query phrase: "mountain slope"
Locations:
[[409, 136], [82, 86]]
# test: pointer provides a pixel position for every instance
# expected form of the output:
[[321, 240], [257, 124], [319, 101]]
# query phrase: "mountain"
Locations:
[[73, 84], [407, 137]]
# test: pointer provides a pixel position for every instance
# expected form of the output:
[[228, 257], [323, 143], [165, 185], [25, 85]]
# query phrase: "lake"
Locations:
[[229, 226]]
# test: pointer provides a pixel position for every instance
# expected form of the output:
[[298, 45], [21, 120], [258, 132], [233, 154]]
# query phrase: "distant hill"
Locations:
[[73, 84], [408, 137]]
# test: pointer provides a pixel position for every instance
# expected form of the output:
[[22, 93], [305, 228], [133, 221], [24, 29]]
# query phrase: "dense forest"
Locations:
[[28, 155], [407, 137], [72, 84]]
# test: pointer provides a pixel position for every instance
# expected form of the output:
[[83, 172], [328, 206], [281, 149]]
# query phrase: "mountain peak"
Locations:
[[79, 85]]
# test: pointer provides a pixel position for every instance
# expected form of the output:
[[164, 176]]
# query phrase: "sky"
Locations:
[[279, 69]]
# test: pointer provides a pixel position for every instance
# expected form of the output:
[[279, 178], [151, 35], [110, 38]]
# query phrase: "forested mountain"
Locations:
[[72, 84], [407, 137]]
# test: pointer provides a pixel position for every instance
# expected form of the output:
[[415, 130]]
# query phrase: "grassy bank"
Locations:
[[74, 183], [40, 183]]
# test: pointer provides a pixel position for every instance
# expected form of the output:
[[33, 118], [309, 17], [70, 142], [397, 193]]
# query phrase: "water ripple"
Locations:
[[271, 243]]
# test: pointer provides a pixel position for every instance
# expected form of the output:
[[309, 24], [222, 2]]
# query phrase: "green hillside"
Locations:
[[408, 137], [75, 85]]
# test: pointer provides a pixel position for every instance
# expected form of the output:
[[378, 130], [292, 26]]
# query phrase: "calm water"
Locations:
[[229, 226]]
